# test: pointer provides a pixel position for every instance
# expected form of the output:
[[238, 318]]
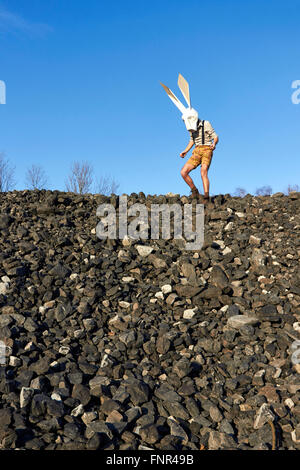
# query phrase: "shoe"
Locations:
[[206, 201], [195, 193], [208, 204]]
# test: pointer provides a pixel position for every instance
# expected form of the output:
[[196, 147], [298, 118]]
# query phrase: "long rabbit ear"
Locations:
[[185, 90], [175, 100]]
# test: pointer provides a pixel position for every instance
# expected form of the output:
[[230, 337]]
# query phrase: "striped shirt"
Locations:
[[209, 134]]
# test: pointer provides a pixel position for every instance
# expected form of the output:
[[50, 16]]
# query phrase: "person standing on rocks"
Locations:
[[205, 140], [202, 135]]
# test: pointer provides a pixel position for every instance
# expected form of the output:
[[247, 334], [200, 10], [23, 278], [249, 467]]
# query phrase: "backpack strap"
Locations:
[[203, 140]]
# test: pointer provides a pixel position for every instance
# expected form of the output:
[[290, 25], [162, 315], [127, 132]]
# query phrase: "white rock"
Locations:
[[5, 279], [162, 377], [78, 411], [29, 346], [294, 437], [224, 309], [54, 364], [4, 286], [144, 250], [228, 226], [15, 361], [166, 289], [289, 403], [128, 279], [25, 396], [124, 304], [190, 313], [260, 373], [277, 373], [159, 295], [296, 326], [55, 396], [263, 416], [64, 350], [226, 250], [106, 361], [237, 321]]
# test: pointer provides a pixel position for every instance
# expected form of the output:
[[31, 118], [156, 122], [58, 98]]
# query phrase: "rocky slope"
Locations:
[[110, 345]]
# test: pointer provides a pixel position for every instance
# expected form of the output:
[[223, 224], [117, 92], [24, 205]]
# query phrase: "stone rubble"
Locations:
[[142, 344]]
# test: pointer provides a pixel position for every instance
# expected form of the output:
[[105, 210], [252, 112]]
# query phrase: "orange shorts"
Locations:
[[201, 154]]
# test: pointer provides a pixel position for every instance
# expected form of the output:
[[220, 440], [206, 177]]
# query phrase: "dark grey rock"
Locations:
[[149, 434], [81, 393], [138, 392]]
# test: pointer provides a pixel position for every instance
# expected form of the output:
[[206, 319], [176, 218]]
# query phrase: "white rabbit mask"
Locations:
[[189, 115]]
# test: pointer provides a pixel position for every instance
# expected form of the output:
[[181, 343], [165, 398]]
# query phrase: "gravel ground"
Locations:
[[142, 344]]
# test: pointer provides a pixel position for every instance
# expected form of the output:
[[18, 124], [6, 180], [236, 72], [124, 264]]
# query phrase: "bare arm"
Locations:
[[188, 148], [216, 140]]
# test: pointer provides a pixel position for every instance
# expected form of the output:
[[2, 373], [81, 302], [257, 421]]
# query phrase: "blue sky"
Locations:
[[83, 77]]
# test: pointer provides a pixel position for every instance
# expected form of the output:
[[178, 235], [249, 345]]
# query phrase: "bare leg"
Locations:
[[185, 175], [205, 180]]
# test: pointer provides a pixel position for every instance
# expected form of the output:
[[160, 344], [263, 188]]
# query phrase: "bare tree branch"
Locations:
[[7, 179], [264, 191], [35, 177], [240, 192], [106, 185], [81, 178], [290, 188]]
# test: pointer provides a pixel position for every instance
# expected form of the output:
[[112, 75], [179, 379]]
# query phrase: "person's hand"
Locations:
[[183, 154], [212, 147]]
